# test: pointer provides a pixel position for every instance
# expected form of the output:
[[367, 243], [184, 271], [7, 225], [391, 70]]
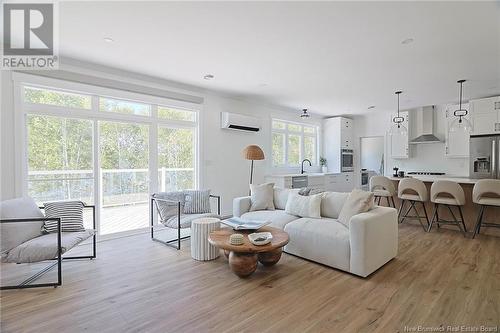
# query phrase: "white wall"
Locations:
[[372, 151], [222, 166], [423, 157]]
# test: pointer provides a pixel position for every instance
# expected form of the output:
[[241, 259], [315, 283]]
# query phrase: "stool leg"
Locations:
[[393, 203], [413, 205], [433, 216], [401, 210], [426, 216], [437, 217], [388, 202], [479, 220], [463, 221]]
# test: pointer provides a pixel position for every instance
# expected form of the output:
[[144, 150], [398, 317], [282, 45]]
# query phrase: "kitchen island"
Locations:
[[470, 209]]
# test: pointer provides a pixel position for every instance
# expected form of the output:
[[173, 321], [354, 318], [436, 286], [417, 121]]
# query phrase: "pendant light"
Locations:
[[460, 124], [304, 114], [398, 128]]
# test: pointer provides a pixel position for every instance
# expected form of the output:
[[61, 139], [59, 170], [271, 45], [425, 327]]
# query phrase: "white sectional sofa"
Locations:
[[370, 241]]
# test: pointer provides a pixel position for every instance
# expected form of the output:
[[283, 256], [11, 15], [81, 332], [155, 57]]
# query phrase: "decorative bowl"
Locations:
[[260, 238]]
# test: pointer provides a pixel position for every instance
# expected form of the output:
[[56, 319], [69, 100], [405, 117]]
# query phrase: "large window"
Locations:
[[108, 151], [292, 142]]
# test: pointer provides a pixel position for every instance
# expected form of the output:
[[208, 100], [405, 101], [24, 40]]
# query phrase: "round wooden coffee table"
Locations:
[[243, 258]]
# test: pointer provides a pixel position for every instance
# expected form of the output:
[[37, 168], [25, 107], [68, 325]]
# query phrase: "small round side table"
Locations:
[[201, 249]]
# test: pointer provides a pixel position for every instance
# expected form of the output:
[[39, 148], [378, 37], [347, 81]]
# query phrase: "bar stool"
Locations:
[[486, 193], [383, 187], [412, 190], [449, 194]]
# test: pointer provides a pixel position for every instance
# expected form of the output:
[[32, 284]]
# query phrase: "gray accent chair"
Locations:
[[169, 207], [23, 242]]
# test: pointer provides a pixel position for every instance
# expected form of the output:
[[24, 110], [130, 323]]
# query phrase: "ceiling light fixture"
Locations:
[[398, 128], [108, 39], [407, 41], [371, 107], [460, 124], [304, 114], [208, 77]]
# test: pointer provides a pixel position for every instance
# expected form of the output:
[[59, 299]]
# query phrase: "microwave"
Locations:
[[346, 160]]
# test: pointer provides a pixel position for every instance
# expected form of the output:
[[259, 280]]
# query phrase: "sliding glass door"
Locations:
[[124, 175], [112, 152], [60, 159]]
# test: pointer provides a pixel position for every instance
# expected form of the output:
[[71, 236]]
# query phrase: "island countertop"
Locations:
[[433, 178]]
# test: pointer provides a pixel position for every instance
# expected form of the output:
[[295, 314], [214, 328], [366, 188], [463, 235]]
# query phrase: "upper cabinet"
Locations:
[[456, 143], [486, 115], [346, 133], [337, 135], [399, 143]]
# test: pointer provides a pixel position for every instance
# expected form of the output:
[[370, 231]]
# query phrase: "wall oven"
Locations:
[[347, 160]]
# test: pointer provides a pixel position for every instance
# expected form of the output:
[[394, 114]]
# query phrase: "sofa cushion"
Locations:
[[16, 233], [45, 247], [322, 240], [278, 218], [262, 196], [304, 206], [281, 196], [358, 202], [185, 220], [331, 204]]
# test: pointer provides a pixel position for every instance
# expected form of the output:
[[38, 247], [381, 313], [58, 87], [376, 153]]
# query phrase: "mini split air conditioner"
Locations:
[[239, 122]]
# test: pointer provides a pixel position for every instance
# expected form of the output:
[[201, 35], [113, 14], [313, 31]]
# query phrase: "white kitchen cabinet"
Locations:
[[346, 133], [337, 135], [456, 143], [339, 182], [485, 115], [399, 144]]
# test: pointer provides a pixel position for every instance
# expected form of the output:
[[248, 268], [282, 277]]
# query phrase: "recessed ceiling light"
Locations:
[[263, 85], [407, 41], [208, 77], [109, 39], [371, 107]]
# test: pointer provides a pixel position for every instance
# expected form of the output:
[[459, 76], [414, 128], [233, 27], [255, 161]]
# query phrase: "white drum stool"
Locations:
[[201, 249]]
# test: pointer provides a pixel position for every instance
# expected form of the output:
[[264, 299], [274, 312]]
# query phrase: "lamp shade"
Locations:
[[253, 152]]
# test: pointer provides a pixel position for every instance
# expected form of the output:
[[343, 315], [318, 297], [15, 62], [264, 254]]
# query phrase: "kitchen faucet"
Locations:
[[302, 167]]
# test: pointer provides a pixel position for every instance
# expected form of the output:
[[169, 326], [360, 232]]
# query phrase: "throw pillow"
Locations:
[[281, 197], [357, 202], [167, 209], [304, 206], [197, 202], [262, 197], [70, 212]]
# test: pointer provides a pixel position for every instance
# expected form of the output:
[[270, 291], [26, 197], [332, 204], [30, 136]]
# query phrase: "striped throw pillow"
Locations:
[[70, 213], [197, 202]]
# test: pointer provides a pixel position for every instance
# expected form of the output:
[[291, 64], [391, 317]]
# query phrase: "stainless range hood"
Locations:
[[424, 119]]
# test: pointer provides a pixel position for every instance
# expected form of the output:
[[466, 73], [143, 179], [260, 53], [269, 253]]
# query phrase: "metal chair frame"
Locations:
[[401, 218], [456, 222], [176, 242], [480, 222], [59, 259]]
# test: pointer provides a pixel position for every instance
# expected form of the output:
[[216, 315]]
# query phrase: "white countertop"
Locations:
[[309, 174], [431, 178]]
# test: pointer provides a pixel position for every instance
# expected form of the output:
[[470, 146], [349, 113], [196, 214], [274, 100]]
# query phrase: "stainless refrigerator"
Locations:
[[485, 156]]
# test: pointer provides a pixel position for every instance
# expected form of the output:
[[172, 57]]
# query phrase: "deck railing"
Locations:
[[118, 186]]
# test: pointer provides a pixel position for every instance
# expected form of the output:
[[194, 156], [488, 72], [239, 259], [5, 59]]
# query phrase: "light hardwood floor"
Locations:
[[136, 285]]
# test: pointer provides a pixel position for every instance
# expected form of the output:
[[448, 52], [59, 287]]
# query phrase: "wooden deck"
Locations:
[[136, 285]]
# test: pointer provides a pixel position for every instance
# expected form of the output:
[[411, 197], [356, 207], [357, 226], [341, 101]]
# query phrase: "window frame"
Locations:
[[302, 134], [24, 108]]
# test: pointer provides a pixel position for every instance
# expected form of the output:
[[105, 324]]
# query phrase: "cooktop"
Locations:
[[426, 173]]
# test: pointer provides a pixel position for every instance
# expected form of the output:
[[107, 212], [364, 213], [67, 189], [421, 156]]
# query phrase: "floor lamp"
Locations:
[[253, 153]]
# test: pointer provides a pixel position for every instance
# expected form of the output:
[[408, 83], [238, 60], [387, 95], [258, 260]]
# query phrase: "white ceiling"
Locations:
[[332, 57]]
